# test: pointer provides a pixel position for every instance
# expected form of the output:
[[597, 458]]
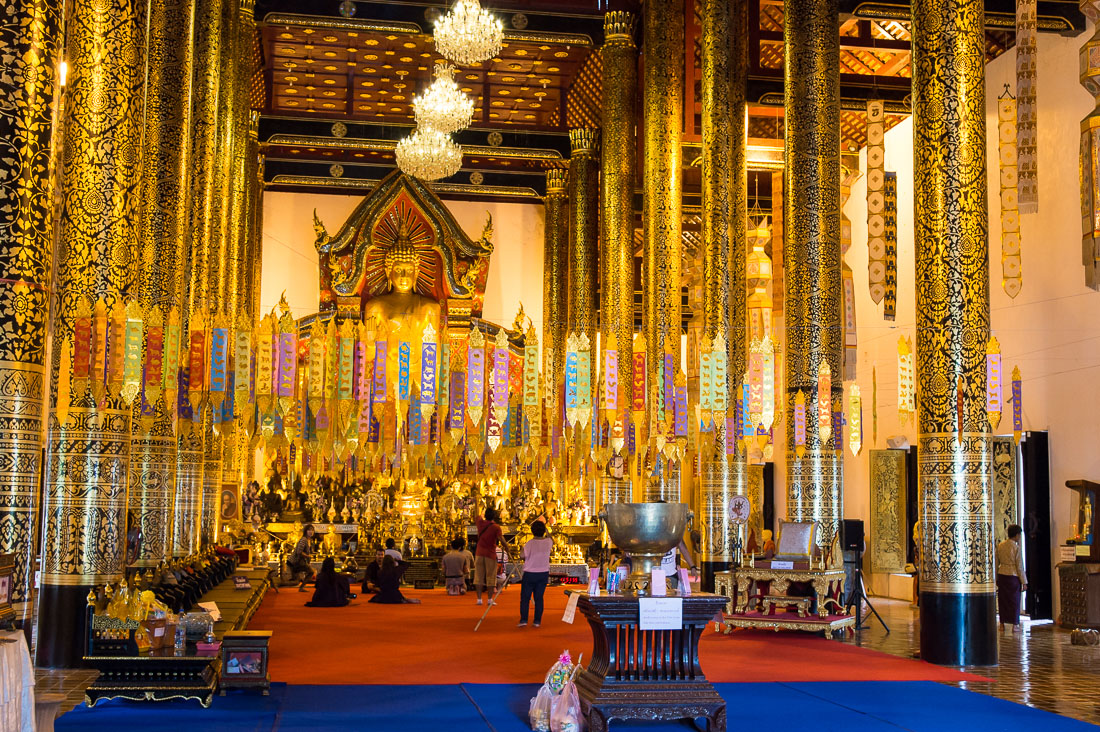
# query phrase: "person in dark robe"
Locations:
[[370, 578], [389, 583], [332, 589]]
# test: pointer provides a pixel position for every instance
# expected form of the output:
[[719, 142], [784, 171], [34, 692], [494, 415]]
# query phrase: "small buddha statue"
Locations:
[[332, 541]]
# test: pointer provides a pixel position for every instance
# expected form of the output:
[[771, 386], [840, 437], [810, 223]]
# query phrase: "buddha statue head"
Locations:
[[402, 263]]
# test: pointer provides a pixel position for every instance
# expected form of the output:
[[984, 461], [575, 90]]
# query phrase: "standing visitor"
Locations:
[[301, 557], [536, 572], [455, 568], [489, 534], [1011, 580]]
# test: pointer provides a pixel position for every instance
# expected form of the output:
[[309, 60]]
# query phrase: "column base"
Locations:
[[707, 570], [958, 630], [61, 626]]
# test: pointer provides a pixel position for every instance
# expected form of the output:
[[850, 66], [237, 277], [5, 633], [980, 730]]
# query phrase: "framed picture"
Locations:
[[230, 506], [7, 572], [244, 663]]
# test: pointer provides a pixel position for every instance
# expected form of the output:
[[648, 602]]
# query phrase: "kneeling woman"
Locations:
[[333, 590], [389, 583]]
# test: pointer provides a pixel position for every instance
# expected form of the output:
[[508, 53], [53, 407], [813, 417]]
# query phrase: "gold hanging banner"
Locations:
[[906, 378], [855, 420], [1011, 265], [1027, 126], [890, 238], [993, 382], [876, 193]]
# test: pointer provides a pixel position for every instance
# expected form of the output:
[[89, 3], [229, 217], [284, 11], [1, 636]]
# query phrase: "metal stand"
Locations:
[[858, 595]]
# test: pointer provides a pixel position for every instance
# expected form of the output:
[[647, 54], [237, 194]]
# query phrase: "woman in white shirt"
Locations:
[[536, 573], [1011, 580]]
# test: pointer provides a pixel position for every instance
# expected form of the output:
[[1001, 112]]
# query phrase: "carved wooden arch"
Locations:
[[452, 265]]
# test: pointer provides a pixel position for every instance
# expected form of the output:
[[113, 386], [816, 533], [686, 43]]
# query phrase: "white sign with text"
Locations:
[[660, 613]]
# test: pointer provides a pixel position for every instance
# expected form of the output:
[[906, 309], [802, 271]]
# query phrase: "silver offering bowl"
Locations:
[[646, 532]]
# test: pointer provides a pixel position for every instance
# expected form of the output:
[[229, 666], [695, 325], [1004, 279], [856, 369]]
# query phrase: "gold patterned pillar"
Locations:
[[663, 113], [30, 30], [84, 506], [584, 233], [811, 253], [211, 481], [206, 190], [957, 602], [725, 64], [555, 298], [618, 166], [164, 221]]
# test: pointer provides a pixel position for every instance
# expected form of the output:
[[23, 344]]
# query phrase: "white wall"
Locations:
[[1051, 330], [290, 260]]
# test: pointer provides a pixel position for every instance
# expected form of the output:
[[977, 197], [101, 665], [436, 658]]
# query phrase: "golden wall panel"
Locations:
[[888, 532], [1005, 486]]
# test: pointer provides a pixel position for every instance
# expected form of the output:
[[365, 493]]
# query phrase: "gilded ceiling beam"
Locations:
[[957, 590], [811, 255]]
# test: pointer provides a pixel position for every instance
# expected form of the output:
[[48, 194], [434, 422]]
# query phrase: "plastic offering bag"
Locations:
[[542, 704], [559, 673], [566, 716]]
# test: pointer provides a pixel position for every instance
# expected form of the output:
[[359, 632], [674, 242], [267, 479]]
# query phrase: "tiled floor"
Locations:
[[1038, 666]]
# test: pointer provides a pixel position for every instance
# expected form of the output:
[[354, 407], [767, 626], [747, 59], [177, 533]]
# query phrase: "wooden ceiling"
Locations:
[[363, 72]]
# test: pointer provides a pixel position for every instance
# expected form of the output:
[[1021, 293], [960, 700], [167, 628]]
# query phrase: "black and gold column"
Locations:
[[555, 289], [164, 228], [811, 253], [725, 63], [662, 205], [618, 166], [207, 186], [30, 31], [84, 507], [957, 587], [584, 232]]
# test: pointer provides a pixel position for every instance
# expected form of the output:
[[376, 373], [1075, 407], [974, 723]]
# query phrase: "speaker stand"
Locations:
[[858, 595]]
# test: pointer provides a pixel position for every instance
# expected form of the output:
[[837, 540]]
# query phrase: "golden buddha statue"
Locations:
[[402, 310]]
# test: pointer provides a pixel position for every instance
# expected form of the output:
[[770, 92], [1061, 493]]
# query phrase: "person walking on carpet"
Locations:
[[536, 572], [301, 556], [489, 534], [1011, 580]]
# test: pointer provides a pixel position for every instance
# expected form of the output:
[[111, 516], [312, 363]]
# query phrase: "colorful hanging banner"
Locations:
[[1017, 405], [428, 371], [905, 380], [767, 385], [316, 365], [681, 405], [719, 365], [800, 424], [332, 360], [855, 420], [153, 373], [500, 375], [219, 361], [744, 422], [824, 403], [132, 367], [265, 363], [731, 430], [572, 401], [993, 391], [404, 359], [668, 382], [756, 383], [531, 373], [196, 362], [876, 199], [242, 368], [116, 350], [851, 359], [346, 362], [1011, 262], [101, 330], [584, 380], [611, 382], [378, 395], [475, 376], [890, 240], [1027, 53], [457, 420], [82, 349], [638, 379], [706, 380]]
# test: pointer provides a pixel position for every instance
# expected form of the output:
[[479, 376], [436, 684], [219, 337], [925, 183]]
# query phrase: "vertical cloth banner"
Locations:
[[1017, 405], [890, 238], [993, 382], [855, 420], [876, 184], [1027, 107], [1011, 264]]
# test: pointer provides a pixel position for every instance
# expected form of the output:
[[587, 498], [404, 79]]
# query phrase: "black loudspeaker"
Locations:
[[851, 534]]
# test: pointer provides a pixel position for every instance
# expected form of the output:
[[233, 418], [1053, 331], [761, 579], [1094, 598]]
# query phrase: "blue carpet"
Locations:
[[870, 706]]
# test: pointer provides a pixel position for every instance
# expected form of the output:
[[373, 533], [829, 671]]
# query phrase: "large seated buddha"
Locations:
[[402, 312]]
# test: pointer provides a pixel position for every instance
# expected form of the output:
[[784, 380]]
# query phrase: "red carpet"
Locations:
[[435, 643]]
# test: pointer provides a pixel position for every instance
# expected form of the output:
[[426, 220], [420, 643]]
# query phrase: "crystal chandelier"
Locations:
[[429, 154], [443, 106], [468, 34]]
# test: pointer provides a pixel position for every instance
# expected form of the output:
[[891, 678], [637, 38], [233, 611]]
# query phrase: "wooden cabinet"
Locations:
[[1079, 588]]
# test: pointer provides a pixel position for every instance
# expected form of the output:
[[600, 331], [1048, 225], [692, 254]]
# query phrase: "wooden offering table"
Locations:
[[647, 674]]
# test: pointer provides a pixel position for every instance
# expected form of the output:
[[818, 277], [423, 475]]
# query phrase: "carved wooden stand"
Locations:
[[647, 674]]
